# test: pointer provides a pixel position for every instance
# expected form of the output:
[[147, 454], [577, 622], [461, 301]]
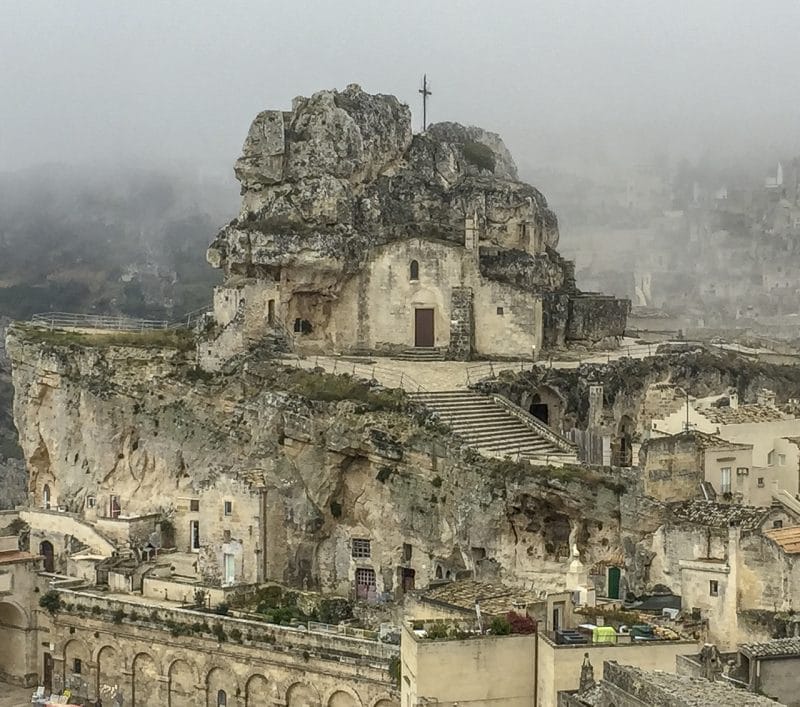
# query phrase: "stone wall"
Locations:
[[462, 333], [672, 467], [593, 318], [155, 655]]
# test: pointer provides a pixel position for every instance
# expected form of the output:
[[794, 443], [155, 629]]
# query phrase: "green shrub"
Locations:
[[219, 633], [437, 631], [480, 155], [335, 609], [51, 602], [117, 616], [500, 626], [236, 635]]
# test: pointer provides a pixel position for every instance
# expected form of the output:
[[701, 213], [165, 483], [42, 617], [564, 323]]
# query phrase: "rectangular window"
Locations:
[[771, 458], [407, 551], [361, 548], [194, 504], [114, 507], [713, 588], [500, 311], [365, 583], [781, 460], [742, 471], [77, 666], [227, 508], [725, 479], [90, 501], [777, 523], [761, 482]]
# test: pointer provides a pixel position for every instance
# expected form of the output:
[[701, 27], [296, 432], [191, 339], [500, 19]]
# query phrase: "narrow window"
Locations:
[[90, 501], [761, 482], [782, 460], [194, 534], [414, 270], [725, 479], [271, 312], [76, 666], [46, 497], [113, 507], [227, 508], [298, 325], [713, 588], [500, 311], [194, 505], [407, 551], [777, 523], [222, 699], [361, 548]]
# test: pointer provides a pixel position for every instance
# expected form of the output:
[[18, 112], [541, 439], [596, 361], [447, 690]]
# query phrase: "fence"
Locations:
[[67, 320]]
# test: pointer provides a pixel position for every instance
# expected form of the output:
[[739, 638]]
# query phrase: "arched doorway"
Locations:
[[46, 551], [14, 649], [539, 409]]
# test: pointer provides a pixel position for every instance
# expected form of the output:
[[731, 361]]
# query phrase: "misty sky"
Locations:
[[158, 82]]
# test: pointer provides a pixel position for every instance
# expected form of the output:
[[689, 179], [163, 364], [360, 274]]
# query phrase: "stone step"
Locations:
[[421, 353]]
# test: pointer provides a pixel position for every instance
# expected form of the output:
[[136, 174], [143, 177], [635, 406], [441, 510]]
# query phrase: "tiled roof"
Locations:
[[495, 598], [664, 688], [742, 414], [718, 515], [787, 538], [772, 649], [708, 441]]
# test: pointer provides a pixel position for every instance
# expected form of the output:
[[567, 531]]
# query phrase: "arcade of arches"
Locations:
[[143, 667]]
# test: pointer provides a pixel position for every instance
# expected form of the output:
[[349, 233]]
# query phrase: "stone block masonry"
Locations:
[[462, 333]]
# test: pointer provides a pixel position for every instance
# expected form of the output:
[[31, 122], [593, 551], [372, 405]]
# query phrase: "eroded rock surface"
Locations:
[[342, 171], [143, 423]]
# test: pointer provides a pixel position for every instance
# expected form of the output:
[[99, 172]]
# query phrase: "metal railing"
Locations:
[[68, 320], [491, 369], [541, 429]]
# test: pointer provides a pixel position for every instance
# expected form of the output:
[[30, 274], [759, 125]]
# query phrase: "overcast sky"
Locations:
[[160, 81]]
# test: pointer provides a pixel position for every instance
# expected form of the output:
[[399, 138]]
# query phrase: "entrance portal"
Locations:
[[614, 575], [46, 551], [539, 409], [423, 327]]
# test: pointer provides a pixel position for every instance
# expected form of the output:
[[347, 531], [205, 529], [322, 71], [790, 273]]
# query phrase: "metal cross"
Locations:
[[425, 93]]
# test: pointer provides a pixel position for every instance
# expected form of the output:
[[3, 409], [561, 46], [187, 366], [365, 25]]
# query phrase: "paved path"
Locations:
[[416, 376], [13, 696]]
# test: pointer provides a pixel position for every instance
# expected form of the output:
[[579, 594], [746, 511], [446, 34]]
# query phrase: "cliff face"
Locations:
[[342, 171], [334, 457]]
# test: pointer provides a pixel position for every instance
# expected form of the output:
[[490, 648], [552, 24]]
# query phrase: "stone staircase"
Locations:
[[496, 427], [421, 354]]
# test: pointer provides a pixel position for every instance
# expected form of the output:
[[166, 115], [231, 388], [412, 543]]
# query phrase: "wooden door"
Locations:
[[47, 677], [423, 327]]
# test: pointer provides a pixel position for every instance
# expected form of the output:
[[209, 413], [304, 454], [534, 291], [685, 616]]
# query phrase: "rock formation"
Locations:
[[341, 172], [141, 422]]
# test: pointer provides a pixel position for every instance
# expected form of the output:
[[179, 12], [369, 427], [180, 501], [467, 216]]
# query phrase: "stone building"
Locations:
[[727, 563], [356, 236], [628, 686]]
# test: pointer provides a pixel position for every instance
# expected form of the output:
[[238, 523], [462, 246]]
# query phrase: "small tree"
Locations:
[[521, 623], [500, 626], [51, 602]]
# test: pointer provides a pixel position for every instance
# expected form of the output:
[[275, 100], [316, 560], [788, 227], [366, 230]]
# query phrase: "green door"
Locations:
[[613, 582]]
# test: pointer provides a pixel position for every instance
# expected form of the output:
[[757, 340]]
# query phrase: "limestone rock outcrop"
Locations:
[[139, 422], [342, 172]]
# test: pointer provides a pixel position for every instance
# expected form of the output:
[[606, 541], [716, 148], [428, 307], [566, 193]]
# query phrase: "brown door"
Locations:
[[47, 678], [423, 327]]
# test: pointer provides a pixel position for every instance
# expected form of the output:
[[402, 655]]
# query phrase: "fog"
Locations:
[[583, 84]]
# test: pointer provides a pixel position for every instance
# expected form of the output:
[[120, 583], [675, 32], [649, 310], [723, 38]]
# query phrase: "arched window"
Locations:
[[46, 496], [222, 699], [414, 270]]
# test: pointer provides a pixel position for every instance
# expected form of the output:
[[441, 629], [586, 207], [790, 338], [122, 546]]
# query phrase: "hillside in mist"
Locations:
[[128, 242]]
